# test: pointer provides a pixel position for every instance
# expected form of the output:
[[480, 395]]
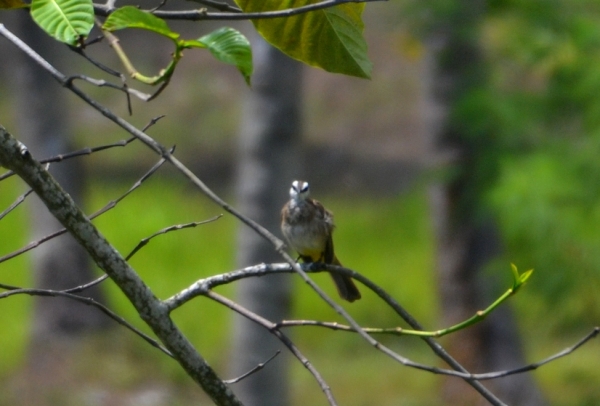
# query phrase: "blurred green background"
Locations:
[[542, 105]]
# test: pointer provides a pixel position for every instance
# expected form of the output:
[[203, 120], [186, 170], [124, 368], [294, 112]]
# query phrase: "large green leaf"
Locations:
[[330, 38], [65, 20], [229, 46], [132, 17]]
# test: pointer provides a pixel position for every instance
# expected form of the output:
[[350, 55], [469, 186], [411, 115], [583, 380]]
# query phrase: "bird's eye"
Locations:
[[304, 187]]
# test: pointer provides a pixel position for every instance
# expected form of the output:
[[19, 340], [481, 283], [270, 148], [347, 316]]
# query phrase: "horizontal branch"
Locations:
[[203, 14], [480, 377], [203, 288]]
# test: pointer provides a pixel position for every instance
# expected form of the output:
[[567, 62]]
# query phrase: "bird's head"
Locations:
[[299, 190]]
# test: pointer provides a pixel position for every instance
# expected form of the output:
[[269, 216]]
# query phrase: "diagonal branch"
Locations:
[[166, 230], [109, 206], [13, 290], [16, 157], [278, 245], [272, 328], [253, 370], [15, 204]]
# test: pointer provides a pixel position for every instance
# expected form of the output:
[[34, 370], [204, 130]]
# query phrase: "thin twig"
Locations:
[[88, 285], [219, 5], [159, 6], [15, 156], [334, 325], [253, 370], [203, 14], [123, 88], [81, 152], [494, 375], [271, 327], [13, 290], [15, 204], [480, 377], [276, 242], [146, 240], [109, 206], [99, 65], [92, 41], [204, 286]]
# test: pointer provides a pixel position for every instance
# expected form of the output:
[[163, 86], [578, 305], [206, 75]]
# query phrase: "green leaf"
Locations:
[[525, 276], [515, 272], [132, 17], [519, 279], [65, 20], [229, 46], [329, 38]]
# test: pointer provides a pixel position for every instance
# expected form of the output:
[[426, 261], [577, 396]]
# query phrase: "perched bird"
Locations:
[[308, 226]]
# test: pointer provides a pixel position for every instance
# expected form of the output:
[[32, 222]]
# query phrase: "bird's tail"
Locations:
[[344, 284]]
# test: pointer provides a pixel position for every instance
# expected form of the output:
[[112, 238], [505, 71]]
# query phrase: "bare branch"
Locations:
[[203, 288], [160, 5], [13, 290], [88, 285], [218, 5], [15, 156], [339, 327], [253, 370], [480, 377], [99, 65], [494, 375], [203, 14], [272, 328], [146, 240], [84, 151], [15, 204], [123, 88], [136, 249], [276, 242], [109, 206]]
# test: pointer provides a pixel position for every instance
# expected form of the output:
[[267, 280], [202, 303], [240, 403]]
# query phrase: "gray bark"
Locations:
[[269, 149], [151, 310]]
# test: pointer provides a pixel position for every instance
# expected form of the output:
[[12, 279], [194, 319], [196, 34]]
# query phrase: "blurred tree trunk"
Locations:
[[60, 263], [269, 145], [468, 239]]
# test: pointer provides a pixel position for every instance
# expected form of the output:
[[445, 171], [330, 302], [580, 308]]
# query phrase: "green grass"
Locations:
[[14, 311], [388, 240]]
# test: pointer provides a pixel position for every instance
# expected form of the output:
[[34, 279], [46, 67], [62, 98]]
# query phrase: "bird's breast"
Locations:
[[306, 239]]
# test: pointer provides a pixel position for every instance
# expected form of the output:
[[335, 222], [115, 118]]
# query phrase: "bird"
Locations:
[[308, 226]]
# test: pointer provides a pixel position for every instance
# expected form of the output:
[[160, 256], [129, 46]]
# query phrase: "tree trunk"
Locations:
[[467, 237], [268, 161]]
